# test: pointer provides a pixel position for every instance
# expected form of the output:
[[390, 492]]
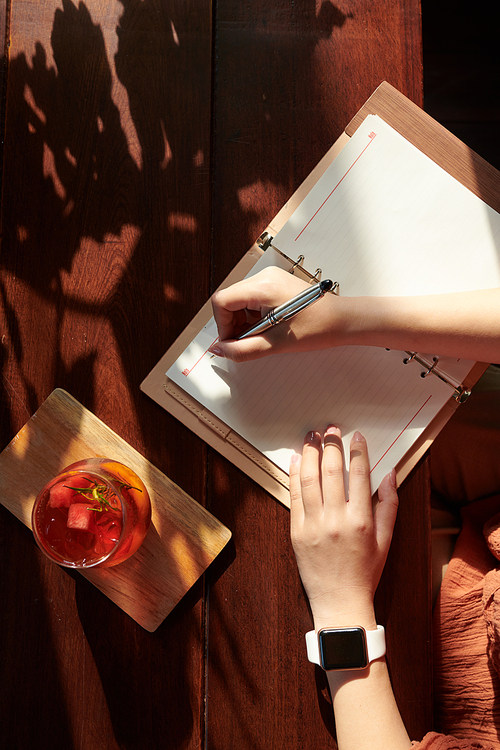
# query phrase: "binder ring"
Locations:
[[435, 360], [264, 240], [297, 263], [460, 392], [317, 274]]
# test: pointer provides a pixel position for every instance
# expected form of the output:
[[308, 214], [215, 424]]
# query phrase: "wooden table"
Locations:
[[147, 144]]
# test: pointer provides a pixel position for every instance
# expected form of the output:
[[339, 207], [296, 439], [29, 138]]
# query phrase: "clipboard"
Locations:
[[445, 150]]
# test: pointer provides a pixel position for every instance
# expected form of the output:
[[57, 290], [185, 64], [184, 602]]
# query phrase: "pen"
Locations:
[[288, 309]]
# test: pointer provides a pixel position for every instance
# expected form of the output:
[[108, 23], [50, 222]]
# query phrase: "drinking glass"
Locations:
[[94, 513]]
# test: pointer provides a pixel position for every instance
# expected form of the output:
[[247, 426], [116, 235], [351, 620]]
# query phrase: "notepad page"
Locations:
[[273, 402], [383, 219]]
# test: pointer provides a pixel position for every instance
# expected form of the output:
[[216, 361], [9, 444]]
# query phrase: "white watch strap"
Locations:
[[375, 643]]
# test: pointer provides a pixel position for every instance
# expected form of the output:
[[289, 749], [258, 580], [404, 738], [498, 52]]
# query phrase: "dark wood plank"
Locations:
[[105, 220], [4, 41], [287, 83], [403, 603]]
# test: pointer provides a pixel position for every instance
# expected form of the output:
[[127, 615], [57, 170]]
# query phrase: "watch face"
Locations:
[[343, 648]]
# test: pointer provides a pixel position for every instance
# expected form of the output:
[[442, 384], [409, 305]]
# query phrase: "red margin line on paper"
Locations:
[[371, 136], [188, 370], [403, 430]]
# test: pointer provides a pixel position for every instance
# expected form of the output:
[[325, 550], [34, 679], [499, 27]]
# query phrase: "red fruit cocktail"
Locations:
[[96, 512]]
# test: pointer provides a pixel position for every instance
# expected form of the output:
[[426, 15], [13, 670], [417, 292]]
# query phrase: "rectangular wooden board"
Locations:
[[183, 538]]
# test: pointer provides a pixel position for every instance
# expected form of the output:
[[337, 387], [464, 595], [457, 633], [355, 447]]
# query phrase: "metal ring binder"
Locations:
[[461, 394], [297, 263], [435, 360], [265, 241]]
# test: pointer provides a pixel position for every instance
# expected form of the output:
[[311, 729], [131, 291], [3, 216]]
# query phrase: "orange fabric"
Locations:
[[466, 683], [434, 741]]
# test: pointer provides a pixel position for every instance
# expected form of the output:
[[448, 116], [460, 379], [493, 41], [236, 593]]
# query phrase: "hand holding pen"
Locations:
[[282, 303], [287, 310]]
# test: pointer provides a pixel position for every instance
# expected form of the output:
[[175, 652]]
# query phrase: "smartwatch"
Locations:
[[344, 649]]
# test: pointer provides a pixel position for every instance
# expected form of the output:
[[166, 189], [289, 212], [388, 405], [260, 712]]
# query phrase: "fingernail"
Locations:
[[357, 436], [295, 458], [216, 350], [332, 430], [392, 479], [312, 437]]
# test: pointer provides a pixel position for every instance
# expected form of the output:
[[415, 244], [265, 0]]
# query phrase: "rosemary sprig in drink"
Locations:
[[101, 494]]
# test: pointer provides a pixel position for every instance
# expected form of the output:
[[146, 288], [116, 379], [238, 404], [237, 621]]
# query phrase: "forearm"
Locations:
[[457, 325], [366, 714]]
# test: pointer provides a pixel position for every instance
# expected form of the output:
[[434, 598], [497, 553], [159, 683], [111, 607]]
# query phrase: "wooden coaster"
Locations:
[[183, 538]]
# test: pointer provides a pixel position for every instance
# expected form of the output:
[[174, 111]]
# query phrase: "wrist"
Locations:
[[353, 320], [362, 614], [344, 320], [364, 321], [387, 322], [366, 620]]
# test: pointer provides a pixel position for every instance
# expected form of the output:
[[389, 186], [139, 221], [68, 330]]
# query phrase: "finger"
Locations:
[[296, 505], [310, 481], [230, 305], [229, 310], [332, 467], [258, 293], [359, 476], [254, 347], [386, 511]]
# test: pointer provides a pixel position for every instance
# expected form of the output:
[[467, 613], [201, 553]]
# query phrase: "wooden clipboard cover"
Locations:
[[443, 148]]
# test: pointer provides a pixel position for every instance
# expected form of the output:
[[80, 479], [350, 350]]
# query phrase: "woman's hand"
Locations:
[[340, 543], [244, 303]]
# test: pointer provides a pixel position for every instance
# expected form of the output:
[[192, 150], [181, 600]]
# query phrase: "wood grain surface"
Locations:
[[147, 144]]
